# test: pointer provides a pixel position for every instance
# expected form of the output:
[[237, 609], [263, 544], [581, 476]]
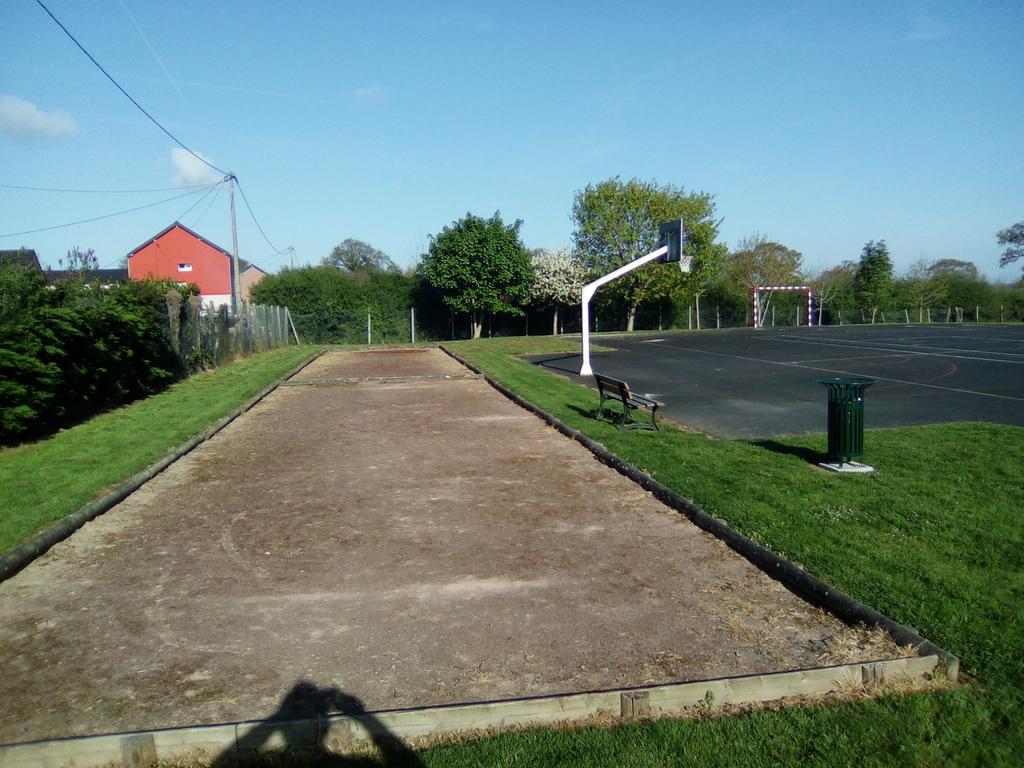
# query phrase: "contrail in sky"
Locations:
[[153, 51]]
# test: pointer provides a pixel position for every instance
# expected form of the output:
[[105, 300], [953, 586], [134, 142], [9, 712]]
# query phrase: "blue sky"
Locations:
[[821, 124]]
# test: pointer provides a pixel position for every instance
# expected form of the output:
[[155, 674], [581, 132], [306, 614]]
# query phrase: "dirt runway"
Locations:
[[410, 542]]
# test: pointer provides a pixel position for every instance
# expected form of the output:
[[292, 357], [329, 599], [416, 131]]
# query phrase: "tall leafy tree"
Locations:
[[353, 255], [957, 267], [923, 285], [479, 266], [873, 280], [758, 261], [618, 221], [1013, 238], [558, 280]]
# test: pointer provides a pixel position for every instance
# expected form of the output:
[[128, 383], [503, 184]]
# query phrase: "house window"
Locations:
[[184, 267]]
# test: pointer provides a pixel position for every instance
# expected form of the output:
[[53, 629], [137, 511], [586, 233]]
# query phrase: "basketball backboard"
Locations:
[[673, 234]]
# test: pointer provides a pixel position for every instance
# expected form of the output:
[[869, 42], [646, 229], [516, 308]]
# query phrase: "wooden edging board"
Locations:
[[795, 579], [344, 733], [22, 555]]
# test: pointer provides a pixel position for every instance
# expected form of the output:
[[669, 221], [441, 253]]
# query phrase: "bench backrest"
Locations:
[[620, 388]]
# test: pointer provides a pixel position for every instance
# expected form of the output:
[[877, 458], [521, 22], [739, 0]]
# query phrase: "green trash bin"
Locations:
[[845, 417]]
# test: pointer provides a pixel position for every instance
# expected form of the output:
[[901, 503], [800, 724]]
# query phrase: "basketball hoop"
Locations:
[[671, 247]]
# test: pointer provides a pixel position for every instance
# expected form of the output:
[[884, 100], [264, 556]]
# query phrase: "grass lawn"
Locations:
[[43, 481], [934, 540]]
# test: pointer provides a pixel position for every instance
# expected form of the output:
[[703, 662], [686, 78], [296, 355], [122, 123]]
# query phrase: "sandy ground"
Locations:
[[410, 543]]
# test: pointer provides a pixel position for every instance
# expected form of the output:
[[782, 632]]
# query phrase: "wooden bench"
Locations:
[[614, 389]]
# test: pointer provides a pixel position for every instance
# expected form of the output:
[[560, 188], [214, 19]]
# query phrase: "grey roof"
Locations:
[[105, 276], [25, 256]]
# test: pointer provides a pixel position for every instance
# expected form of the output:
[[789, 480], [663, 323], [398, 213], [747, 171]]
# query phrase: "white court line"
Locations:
[[1001, 339], [855, 357], [852, 373], [916, 341], [847, 345]]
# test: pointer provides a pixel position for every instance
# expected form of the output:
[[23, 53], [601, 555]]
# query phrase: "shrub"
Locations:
[[330, 305], [61, 364], [22, 289]]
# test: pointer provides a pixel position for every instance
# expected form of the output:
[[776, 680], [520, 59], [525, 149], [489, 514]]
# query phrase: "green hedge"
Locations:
[[331, 305], [70, 352]]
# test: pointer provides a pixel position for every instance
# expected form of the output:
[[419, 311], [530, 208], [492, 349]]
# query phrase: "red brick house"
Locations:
[[181, 255]]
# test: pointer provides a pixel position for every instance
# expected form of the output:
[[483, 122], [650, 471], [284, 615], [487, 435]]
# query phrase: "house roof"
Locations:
[[25, 256], [186, 229], [253, 266], [104, 276]]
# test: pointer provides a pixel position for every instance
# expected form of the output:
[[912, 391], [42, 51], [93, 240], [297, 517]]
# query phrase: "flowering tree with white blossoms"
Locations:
[[558, 279]]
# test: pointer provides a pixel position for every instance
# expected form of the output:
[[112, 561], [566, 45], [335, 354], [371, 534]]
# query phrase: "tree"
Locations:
[[479, 266], [354, 255], [833, 287], [1013, 237], [872, 282], [558, 279], [923, 285], [79, 261], [957, 267], [758, 261], [617, 222]]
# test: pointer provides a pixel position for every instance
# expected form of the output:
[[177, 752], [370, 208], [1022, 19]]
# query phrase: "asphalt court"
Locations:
[[762, 383]]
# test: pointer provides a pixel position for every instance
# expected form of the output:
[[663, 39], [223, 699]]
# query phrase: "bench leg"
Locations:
[[634, 424]]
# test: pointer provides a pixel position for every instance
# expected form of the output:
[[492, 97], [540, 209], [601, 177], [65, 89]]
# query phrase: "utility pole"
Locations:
[[234, 248]]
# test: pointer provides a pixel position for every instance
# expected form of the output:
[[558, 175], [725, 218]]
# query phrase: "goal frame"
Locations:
[[758, 290]]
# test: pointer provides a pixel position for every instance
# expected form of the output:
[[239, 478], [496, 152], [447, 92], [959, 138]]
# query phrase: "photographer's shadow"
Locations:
[[297, 734]]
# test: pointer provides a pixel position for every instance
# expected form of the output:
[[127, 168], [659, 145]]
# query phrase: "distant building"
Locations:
[[26, 257], [181, 255], [247, 278], [101, 276]]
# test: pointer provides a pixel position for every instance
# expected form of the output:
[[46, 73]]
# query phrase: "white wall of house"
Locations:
[[216, 299]]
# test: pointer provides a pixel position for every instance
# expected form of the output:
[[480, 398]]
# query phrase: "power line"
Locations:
[[216, 187], [104, 191], [197, 202], [106, 215], [155, 122], [99, 66], [209, 205], [276, 250]]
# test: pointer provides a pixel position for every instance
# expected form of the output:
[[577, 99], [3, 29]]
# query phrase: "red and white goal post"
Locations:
[[758, 316]]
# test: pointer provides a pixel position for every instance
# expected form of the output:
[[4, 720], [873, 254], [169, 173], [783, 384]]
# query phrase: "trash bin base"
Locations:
[[847, 467]]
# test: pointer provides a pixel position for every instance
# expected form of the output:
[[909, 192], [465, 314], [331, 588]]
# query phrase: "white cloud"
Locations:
[[24, 121], [373, 94], [190, 170]]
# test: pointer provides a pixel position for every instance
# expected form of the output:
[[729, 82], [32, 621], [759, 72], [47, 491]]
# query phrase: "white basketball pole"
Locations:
[[591, 288]]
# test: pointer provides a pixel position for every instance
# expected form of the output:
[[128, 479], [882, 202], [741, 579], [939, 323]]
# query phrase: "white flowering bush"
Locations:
[[558, 279]]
